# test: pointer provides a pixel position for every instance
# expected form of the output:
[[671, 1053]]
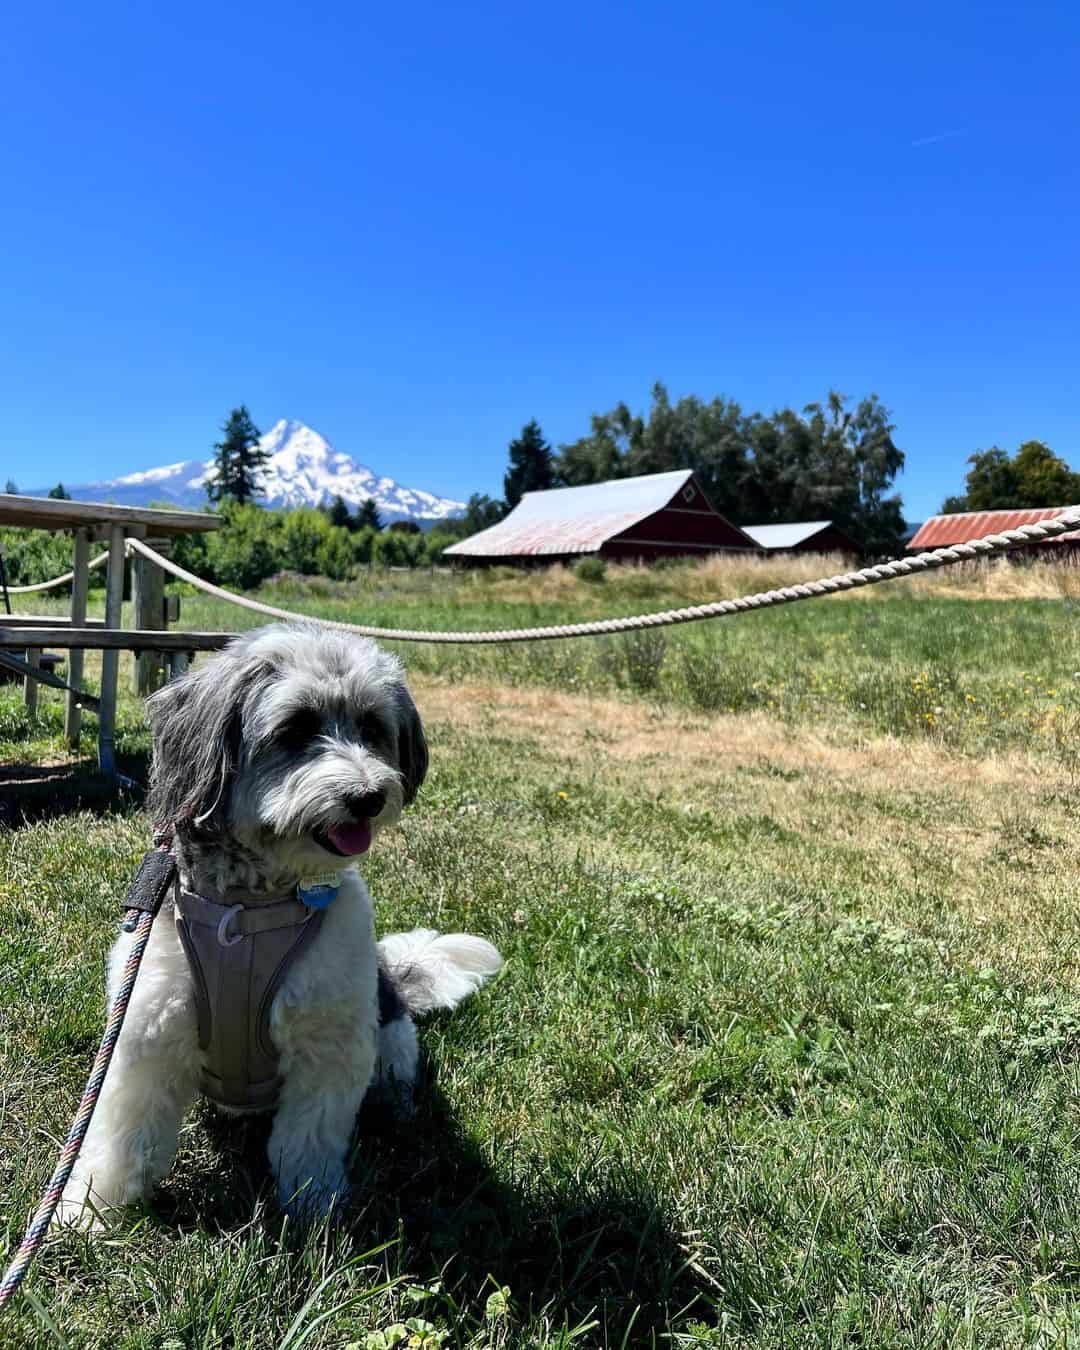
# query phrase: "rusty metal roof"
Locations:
[[579, 519], [942, 531]]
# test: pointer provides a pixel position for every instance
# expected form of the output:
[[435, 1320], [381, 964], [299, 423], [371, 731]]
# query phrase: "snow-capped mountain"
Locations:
[[304, 469]]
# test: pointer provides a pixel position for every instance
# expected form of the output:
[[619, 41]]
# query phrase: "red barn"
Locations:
[[658, 515]]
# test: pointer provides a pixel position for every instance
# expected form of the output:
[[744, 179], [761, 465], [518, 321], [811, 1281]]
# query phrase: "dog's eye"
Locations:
[[371, 728], [300, 729]]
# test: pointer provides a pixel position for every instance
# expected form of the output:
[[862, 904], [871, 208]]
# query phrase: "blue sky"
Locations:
[[415, 227]]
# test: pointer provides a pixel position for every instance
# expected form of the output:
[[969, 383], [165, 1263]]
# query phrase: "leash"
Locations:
[[156, 875]]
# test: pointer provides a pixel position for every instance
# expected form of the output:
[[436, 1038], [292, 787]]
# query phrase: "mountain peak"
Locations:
[[303, 469]]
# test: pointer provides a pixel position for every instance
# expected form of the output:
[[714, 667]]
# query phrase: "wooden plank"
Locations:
[[114, 639], [148, 586], [110, 659], [80, 584], [9, 662], [35, 621], [30, 684], [52, 514]]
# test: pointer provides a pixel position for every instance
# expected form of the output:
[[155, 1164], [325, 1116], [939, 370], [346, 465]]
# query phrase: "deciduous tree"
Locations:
[[1034, 477]]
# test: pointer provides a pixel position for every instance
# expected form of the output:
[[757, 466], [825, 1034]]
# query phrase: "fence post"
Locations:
[[30, 685], [79, 585], [148, 593], [110, 659]]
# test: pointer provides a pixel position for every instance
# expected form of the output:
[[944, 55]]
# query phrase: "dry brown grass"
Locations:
[[723, 577], [986, 844]]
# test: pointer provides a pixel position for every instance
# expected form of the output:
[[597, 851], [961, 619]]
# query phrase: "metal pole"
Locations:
[[79, 585], [110, 660]]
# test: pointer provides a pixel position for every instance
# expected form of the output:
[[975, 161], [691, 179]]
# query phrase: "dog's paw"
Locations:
[[80, 1214], [314, 1198], [388, 1092]]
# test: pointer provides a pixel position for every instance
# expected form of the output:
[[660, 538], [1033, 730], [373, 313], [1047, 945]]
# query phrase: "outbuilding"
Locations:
[[946, 530], [804, 536], [657, 515]]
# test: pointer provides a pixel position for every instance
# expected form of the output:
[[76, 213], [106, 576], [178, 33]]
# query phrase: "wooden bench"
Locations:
[[101, 520]]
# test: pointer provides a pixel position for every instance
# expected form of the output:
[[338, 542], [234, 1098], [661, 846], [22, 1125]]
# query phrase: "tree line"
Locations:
[[1033, 477], [836, 460]]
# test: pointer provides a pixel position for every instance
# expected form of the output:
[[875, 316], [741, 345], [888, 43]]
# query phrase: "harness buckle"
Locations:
[[223, 927]]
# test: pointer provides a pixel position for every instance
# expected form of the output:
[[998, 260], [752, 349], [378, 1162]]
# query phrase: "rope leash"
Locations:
[[138, 918], [984, 547]]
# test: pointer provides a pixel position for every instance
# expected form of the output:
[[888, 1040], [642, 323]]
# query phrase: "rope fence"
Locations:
[[987, 546], [58, 581]]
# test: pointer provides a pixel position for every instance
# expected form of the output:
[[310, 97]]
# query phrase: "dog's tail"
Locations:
[[430, 970]]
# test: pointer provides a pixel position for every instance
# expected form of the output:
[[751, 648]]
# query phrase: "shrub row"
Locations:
[[31, 556], [254, 544]]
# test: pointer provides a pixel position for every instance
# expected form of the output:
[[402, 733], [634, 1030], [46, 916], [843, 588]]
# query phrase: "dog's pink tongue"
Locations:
[[351, 838]]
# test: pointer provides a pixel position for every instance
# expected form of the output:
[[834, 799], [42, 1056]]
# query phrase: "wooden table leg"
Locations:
[[110, 660], [30, 685], [79, 586], [148, 593]]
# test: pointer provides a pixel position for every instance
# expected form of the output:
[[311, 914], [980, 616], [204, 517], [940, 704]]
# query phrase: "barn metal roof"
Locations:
[[785, 536], [574, 519], [941, 531]]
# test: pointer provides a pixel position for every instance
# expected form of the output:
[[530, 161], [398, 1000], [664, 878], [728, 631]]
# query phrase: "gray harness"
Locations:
[[239, 953]]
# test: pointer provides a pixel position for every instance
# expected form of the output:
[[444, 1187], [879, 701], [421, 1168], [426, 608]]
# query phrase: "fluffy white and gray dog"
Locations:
[[275, 764]]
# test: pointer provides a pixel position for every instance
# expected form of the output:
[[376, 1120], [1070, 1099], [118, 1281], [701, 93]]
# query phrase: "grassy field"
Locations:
[[785, 1049]]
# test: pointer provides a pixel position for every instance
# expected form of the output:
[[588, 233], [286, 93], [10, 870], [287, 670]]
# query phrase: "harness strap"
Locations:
[[239, 954]]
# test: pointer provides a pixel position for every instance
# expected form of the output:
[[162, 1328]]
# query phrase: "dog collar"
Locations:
[[319, 892]]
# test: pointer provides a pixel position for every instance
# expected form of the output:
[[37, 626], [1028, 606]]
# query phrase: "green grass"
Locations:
[[784, 1052], [954, 658]]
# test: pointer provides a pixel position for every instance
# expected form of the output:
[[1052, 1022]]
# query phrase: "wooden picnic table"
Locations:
[[92, 521]]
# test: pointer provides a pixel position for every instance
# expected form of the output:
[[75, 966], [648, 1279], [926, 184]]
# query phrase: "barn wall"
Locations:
[[672, 531]]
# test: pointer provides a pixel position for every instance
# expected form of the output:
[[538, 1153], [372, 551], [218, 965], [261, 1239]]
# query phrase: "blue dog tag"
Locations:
[[319, 892]]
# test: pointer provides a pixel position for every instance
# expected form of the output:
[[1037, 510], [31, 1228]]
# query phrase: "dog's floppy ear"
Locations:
[[412, 751], [197, 726]]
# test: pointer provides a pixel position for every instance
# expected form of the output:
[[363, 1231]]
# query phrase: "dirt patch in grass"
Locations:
[[681, 742], [983, 846]]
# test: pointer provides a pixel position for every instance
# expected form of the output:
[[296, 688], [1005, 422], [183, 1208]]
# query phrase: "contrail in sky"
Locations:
[[941, 136]]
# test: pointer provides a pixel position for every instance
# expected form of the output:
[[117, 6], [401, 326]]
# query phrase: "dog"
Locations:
[[275, 764]]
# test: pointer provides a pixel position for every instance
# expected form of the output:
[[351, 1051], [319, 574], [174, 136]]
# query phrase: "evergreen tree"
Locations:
[[368, 515], [482, 511], [60, 493], [239, 460], [531, 466], [338, 513]]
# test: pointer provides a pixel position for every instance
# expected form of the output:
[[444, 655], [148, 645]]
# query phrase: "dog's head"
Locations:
[[298, 740]]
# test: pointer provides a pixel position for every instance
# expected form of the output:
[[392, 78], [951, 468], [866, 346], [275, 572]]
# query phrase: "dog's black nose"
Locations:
[[364, 805]]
